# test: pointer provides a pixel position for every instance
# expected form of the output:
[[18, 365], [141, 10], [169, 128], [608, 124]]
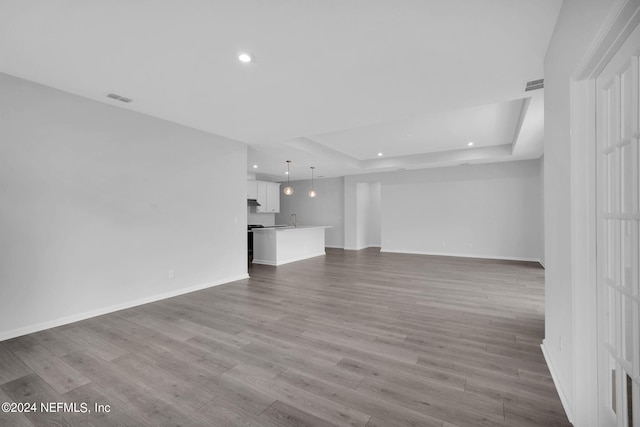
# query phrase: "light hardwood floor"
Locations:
[[354, 338]]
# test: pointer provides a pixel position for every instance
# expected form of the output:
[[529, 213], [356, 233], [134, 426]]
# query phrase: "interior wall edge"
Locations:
[[563, 395], [5, 335], [456, 255]]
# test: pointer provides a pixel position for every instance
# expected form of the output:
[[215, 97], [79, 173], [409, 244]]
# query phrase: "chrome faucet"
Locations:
[[294, 221]]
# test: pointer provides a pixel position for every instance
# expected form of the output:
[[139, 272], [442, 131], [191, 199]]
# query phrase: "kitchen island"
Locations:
[[282, 245]]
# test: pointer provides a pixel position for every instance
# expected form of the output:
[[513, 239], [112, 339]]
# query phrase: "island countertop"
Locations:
[[281, 245], [273, 228]]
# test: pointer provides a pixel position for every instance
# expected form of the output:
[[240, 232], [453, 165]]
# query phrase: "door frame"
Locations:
[[621, 21]]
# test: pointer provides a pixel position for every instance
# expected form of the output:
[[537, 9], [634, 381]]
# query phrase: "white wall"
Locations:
[[577, 25], [260, 218], [98, 203], [375, 215], [490, 210], [363, 210], [368, 215], [542, 207], [325, 209]]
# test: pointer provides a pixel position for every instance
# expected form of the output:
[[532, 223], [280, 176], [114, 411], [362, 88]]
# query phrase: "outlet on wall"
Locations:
[[171, 273]]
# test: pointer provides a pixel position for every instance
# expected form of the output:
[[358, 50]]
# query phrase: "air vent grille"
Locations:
[[534, 84], [119, 98]]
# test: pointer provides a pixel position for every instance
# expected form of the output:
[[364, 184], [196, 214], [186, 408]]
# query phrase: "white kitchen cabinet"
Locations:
[[252, 189], [261, 187], [268, 195], [273, 197]]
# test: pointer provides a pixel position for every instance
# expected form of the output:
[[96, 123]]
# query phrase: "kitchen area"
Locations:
[[277, 244]]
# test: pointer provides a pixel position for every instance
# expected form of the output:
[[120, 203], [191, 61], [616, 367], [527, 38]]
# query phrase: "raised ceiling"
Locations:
[[487, 125], [333, 82]]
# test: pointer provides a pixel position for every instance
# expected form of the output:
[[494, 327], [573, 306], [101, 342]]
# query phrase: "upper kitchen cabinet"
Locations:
[[268, 195], [252, 189], [261, 196], [273, 197]]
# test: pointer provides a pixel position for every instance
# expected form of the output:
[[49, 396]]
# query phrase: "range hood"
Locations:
[[253, 202]]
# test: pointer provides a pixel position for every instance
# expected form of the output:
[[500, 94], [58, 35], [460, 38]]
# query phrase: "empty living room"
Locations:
[[320, 213]]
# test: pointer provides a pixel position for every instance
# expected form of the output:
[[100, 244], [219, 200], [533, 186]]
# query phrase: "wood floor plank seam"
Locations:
[[356, 338]]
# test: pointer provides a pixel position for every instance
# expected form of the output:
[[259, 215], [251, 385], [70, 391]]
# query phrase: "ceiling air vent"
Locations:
[[119, 98], [534, 84]]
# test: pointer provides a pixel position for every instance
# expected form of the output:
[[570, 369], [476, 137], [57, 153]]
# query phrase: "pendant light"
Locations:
[[312, 192], [288, 190]]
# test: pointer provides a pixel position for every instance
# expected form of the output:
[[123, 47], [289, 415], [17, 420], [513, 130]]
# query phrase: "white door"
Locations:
[[618, 237]]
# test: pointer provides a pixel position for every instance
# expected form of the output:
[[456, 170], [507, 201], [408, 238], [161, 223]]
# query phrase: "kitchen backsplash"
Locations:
[[260, 218]]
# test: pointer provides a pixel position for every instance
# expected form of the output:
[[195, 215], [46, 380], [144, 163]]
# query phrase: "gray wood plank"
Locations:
[[220, 413], [352, 338], [33, 389], [284, 415], [12, 419], [52, 369], [104, 374], [11, 366], [104, 408], [392, 414]]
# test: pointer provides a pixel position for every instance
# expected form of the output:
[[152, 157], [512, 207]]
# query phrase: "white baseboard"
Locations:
[[263, 262], [334, 247], [359, 249], [563, 396], [117, 307], [286, 261], [506, 258]]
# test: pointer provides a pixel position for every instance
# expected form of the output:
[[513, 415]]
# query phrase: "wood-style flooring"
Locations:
[[352, 339]]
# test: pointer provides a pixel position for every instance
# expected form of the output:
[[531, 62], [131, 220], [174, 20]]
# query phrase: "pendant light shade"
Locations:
[[312, 192], [288, 190]]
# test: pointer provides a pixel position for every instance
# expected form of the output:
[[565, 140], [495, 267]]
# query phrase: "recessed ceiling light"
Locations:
[[379, 154], [286, 173], [470, 143], [245, 57], [255, 166]]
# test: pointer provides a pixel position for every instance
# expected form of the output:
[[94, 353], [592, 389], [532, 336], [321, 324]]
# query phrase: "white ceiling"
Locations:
[[493, 124], [333, 82]]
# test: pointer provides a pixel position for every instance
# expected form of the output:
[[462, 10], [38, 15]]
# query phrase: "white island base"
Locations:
[[277, 246]]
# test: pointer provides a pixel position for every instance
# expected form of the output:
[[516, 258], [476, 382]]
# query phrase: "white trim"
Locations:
[[286, 261], [584, 324], [117, 307], [334, 246], [506, 258], [563, 396], [359, 249], [622, 19]]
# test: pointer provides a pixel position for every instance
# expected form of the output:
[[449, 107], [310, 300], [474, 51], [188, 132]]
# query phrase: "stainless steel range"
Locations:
[[250, 242]]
